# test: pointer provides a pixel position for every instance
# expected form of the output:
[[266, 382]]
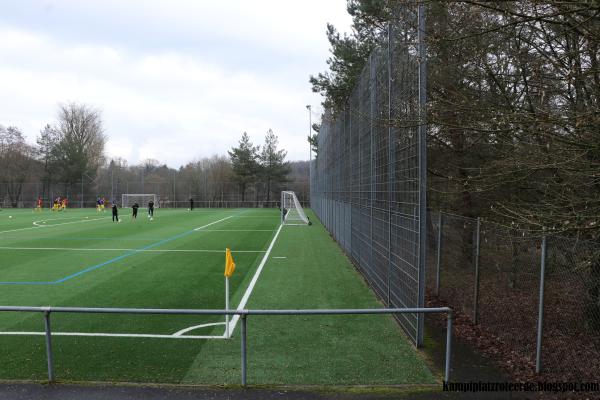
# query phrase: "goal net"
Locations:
[[141, 199], [291, 210]]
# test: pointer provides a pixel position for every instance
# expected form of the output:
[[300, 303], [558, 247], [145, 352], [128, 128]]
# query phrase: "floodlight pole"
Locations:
[[308, 107]]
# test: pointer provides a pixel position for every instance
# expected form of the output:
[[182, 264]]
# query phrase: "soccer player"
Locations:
[[56, 204], [98, 203], [191, 204], [63, 204], [134, 210], [115, 212], [39, 204], [151, 209]]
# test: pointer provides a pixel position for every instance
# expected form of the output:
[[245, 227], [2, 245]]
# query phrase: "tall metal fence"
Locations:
[[368, 180], [536, 298]]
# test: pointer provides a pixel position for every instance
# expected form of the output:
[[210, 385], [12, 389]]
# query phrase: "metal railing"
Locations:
[[47, 311]]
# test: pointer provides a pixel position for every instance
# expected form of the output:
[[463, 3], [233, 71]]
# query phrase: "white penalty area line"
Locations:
[[250, 288], [134, 250]]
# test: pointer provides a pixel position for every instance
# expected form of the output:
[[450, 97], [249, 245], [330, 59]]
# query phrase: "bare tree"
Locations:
[[16, 162], [80, 148]]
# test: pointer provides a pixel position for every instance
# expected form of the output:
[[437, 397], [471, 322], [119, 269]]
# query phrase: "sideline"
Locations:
[[250, 288]]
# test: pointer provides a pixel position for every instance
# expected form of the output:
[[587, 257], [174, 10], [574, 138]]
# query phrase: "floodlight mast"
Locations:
[[308, 107]]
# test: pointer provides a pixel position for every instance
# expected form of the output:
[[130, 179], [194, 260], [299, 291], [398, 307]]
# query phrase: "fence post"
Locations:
[[48, 345], [448, 346], [540, 327], [243, 332], [476, 297], [372, 99], [391, 166], [439, 253], [422, 143]]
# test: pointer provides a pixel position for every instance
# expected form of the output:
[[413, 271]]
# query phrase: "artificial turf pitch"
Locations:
[[80, 258]]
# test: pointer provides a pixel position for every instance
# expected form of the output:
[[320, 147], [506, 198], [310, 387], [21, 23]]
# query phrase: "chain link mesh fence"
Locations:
[[367, 182], [170, 193], [572, 309], [495, 282]]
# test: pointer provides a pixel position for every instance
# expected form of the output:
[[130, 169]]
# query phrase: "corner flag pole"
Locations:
[[229, 268], [227, 307]]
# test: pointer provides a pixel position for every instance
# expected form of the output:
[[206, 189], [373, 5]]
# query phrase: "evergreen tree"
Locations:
[[274, 168], [244, 159]]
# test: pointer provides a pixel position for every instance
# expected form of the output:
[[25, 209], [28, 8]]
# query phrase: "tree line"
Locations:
[[513, 104], [68, 160], [65, 152]]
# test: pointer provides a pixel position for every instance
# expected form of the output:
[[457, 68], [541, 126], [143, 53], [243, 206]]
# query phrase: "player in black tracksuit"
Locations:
[[115, 212], [191, 204], [151, 209], [134, 210]]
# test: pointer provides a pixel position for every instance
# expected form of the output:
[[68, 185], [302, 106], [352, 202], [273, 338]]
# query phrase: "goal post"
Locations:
[[141, 198], [292, 212]]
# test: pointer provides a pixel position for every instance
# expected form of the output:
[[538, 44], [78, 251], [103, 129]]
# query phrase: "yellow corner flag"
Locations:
[[229, 263]]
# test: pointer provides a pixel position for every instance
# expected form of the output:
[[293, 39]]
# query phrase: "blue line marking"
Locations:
[[93, 267]]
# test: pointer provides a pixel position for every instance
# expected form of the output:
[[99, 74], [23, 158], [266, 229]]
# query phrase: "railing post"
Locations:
[[540, 327], [48, 345], [439, 253], [448, 346], [243, 339], [476, 296]]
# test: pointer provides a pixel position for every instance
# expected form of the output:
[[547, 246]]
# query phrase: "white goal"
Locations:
[[142, 199], [291, 210]]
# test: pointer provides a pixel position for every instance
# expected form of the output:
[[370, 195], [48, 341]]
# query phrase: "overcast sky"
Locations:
[[175, 80]]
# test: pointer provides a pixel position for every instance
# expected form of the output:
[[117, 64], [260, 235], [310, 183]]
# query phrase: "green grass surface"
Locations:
[[80, 258]]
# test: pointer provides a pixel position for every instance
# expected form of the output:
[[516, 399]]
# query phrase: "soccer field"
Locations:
[[80, 258]]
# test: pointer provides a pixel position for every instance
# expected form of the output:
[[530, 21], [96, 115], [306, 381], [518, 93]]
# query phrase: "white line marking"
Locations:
[[64, 223], [279, 257], [212, 223], [248, 292], [136, 250], [100, 334], [239, 230], [191, 328], [56, 219], [177, 335], [261, 216], [51, 225]]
